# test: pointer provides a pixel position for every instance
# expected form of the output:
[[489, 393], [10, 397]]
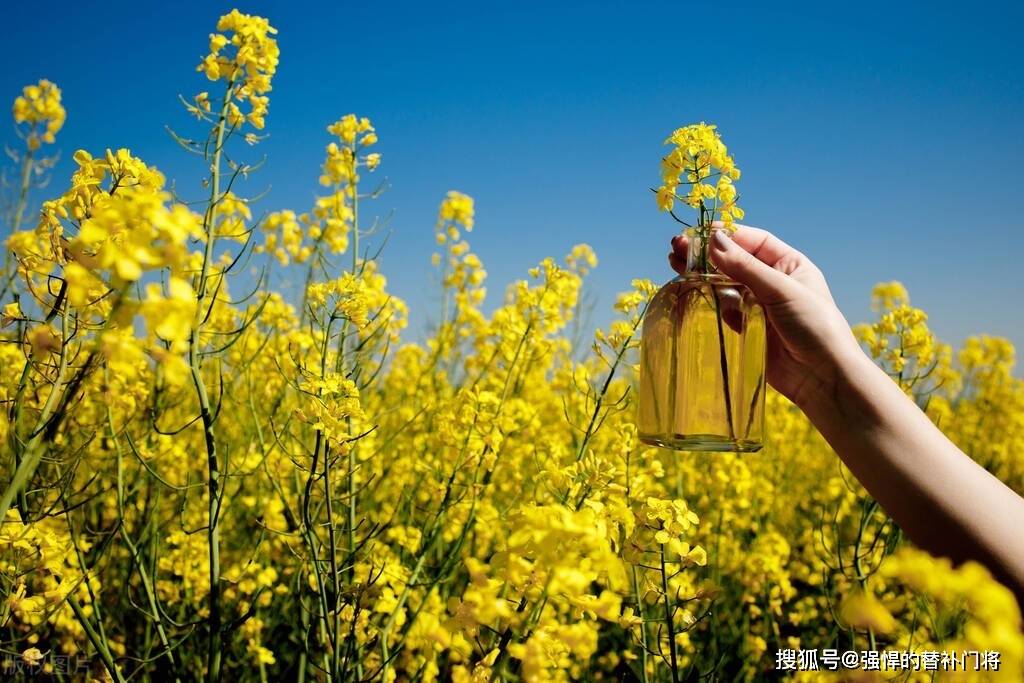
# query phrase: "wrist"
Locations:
[[841, 387], [833, 378]]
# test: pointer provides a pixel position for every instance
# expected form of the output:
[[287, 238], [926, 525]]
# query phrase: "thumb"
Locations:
[[768, 285]]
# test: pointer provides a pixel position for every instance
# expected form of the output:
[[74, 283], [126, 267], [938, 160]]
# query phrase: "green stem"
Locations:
[[147, 584], [26, 178], [643, 626], [19, 211], [105, 656], [723, 361], [34, 450], [215, 635], [669, 621], [352, 460]]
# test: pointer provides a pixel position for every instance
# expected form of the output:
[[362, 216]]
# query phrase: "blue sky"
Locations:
[[883, 140]]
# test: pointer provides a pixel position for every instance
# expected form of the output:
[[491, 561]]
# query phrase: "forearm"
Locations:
[[944, 501]]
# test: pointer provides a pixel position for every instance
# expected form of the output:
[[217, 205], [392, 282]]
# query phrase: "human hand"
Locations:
[[942, 499], [807, 335]]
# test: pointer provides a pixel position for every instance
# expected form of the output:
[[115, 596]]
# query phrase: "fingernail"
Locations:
[[719, 240]]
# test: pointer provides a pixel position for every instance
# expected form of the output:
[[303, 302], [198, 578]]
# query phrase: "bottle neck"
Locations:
[[698, 251]]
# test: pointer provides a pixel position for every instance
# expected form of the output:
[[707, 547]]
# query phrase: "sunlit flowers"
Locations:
[[39, 106], [457, 208], [262, 476], [699, 172], [355, 135], [245, 55], [170, 317], [343, 298]]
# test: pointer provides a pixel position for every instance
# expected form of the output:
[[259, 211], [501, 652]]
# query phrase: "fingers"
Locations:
[[754, 257], [762, 244], [770, 249], [677, 257], [769, 285]]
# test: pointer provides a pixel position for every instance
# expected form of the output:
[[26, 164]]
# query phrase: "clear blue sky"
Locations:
[[884, 140]]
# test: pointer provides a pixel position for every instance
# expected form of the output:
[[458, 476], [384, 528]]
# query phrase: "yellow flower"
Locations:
[[170, 318], [330, 406], [344, 297], [263, 655], [42, 340], [39, 105], [11, 313], [666, 195], [32, 656], [864, 611], [349, 126], [83, 287], [699, 154], [245, 55], [457, 208]]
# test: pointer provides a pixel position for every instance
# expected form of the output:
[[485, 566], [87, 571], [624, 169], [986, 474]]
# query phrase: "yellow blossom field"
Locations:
[[205, 479]]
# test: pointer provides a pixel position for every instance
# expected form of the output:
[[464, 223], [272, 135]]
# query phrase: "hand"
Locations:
[[807, 335], [942, 499]]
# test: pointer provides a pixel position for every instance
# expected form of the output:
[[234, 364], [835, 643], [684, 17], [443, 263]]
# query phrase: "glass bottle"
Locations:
[[702, 360]]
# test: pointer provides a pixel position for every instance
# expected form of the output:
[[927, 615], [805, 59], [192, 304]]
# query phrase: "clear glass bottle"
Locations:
[[702, 361]]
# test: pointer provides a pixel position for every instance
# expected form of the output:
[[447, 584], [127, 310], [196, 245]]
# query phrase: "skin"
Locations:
[[943, 500]]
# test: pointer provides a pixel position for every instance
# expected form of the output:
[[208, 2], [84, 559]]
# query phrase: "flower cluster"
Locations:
[[457, 209], [955, 608], [333, 402], [902, 343], [40, 573], [698, 157], [39, 106], [343, 298], [244, 54], [462, 272], [327, 227]]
